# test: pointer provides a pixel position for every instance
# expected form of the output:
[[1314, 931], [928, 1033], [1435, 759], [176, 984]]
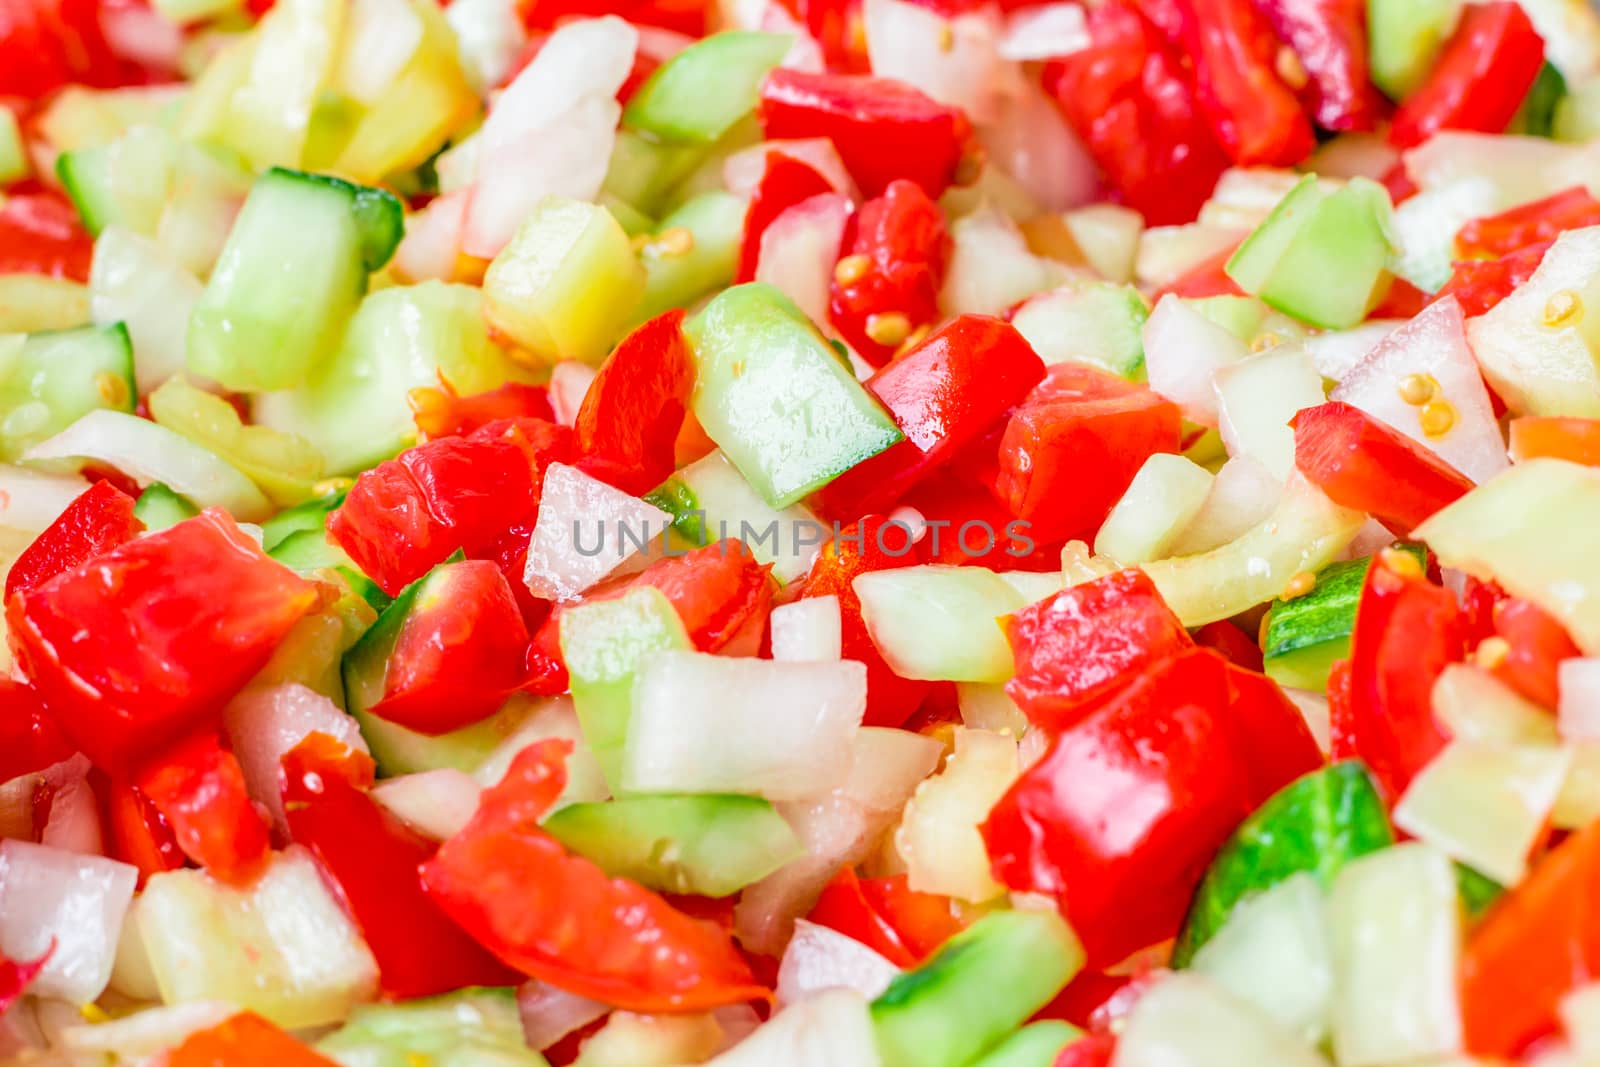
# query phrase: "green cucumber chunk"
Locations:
[[1098, 323], [308, 551], [710, 846], [312, 515], [159, 508], [1317, 823], [603, 643], [1403, 39], [466, 1028], [676, 279], [1306, 635], [1035, 1045], [1537, 115], [787, 412], [700, 93], [643, 173], [984, 983], [1477, 891], [50, 380], [122, 182], [13, 153]]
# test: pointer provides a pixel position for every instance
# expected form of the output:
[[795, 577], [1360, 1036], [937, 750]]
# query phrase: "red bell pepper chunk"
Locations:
[[1072, 448], [373, 859], [1091, 1050], [135, 830], [871, 544], [1480, 284], [635, 407], [99, 519], [1537, 643], [1364, 464], [1133, 105], [682, 16], [30, 741], [1480, 79], [786, 182], [924, 921], [146, 643], [1330, 37], [244, 1040], [462, 650], [1209, 277], [837, 27], [46, 44], [199, 788], [407, 514], [1531, 223], [883, 129], [905, 248], [1231, 642], [40, 234], [443, 412], [1407, 631], [559, 918], [1573, 439], [15, 975], [1075, 649], [945, 394], [844, 907], [1402, 301]]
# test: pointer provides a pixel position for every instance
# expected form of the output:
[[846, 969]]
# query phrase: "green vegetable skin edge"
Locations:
[[700, 93], [984, 983], [1035, 1045], [1317, 823], [160, 508], [716, 223], [312, 515], [466, 1028], [786, 411], [1403, 37], [66, 374]]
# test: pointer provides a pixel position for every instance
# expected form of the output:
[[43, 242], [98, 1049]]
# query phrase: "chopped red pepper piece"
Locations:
[[559, 918], [99, 519], [244, 1040], [1072, 448], [15, 975], [147, 642], [135, 830], [443, 412], [1479, 80], [1572, 439], [1330, 37], [1480, 284], [635, 407], [1130, 100], [1225, 637], [844, 907], [1091, 1050], [897, 250], [883, 129], [40, 232], [1528, 224], [923, 921], [30, 741], [1079, 647], [1402, 301], [1538, 643], [1365, 464], [46, 44], [837, 26], [683, 16], [199, 787], [786, 182]]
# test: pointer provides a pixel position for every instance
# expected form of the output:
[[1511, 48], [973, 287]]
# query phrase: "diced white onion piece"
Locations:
[[819, 958], [550, 1013], [886, 765], [1045, 31], [831, 1029], [585, 530], [1485, 805], [146, 1032], [380, 37], [956, 60], [1031, 141], [1578, 680], [1354, 155], [1243, 494], [1160, 503], [714, 724], [74, 822], [138, 282], [1183, 351], [436, 804], [1580, 1018], [991, 267], [1186, 1020], [808, 629], [31, 500], [1108, 237], [149, 453], [938, 835], [569, 383], [1167, 253], [1033, 586], [1245, 196], [1521, 168], [549, 717], [940, 622], [1472, 705], [742, 171], [130, 972], [77, 901], [489, 36], [1258, 396], [985, 706], [1335, 352], [1372, 538], [432, 243], [143, 34], [1579, 802], [265, 723], [1394, 923], [1425, 229], [799, 249]]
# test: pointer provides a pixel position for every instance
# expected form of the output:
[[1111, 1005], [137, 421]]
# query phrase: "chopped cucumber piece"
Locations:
[[1035, 1045], [939, 622], [939, 837], [1317, 823], [138, 282], [773, 393], [675, 278], [159, 508], [700, 93], [1404, 37], [467, 1028], [1536, 116], [312, 515], [53, 379], [1159, 504], [1477, 891], [309, 551], [13, 153], [30, 303], [711, 846], [1088, 322], [644, 173], [123, 182], [1189, 1020], [984, 983]]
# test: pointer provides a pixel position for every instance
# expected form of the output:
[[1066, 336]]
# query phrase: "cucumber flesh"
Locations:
[[1403, 37], [1035, 1045], [159, 508], [53, 379], [715, 221], [312, 515], [700, 93], [466, 1028], [308, 551], [1097, 323]]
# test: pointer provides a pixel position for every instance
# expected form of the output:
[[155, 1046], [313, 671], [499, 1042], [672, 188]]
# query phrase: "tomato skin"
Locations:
[[785, 182], [1232, 643], [1480, 284], [1364, 464], [903, 236], [1479, 79], [135, 830], [198, 786], [883, 129], [837, 26], [844, 907], [30, 741], [557, 917], [46, 44], [923, 921], [443, 412], [244, 1040], [1330, 37], [98, 520], [1572, 439], [635, 407], [1531, 223], [1072, 448], [683, 16], [373, 859], [146, 643], [16, 975], [1538, 643], [40, 233], [1209, 277], [1078, 647], [1091, 1050]]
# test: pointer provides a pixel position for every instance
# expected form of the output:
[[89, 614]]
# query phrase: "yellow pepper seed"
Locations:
[[1402, 563], [94, 1013], [329, 486], [675, 241], [915, 338], [639, 242], [970, 167], [1290, 69], [1564, 308], [947, 38], [1301, 583], [1438, 417], [851, 269], [1263, 341], [113, 389], [1492, 651], [888, 329], [1418, 389]]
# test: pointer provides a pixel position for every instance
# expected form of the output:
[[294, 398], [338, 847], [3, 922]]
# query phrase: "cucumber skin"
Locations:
[[1317, 823], [74, 358], [160, 508]]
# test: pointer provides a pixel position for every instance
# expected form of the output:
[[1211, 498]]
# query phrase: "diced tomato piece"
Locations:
[[1364, 464], [374, 860], [1091, 1050], [1085, 998], [1330, 37], [1480, 284], [1402, 301], [1133, 104], [327, 757], [135, 830], [1209, 277], [40, 232], [1397, 179], [837, 26], [844, 907], [923, 921], [1572, 439], [682, 16], [786, 182], [199, 787], [30, 741], [1479, 80], [635, 407], [1224, 637], [462, 650], [1531, 223], [147, 642], [45, 44], [1538, 643], [945, 394], [1407, 631], [16, 975], [559, 918], [98, 520], [883, 129], [905, 249], [1077, 648], [443, 412], [244, 1040], [1072, 448]]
